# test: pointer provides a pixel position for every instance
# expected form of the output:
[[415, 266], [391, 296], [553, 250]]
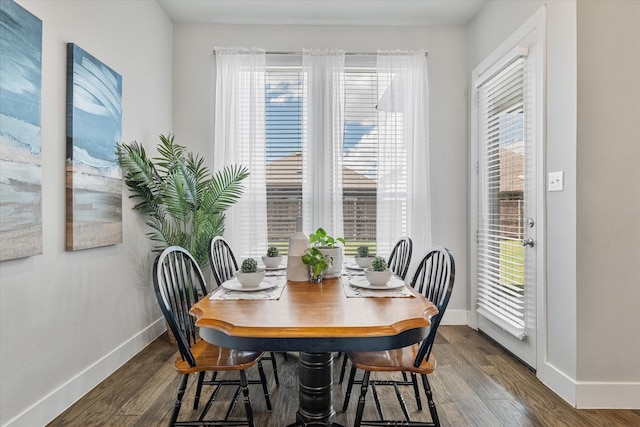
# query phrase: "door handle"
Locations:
[[528, 242]]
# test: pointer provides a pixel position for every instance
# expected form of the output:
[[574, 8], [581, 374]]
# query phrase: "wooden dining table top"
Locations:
[[311, 311]]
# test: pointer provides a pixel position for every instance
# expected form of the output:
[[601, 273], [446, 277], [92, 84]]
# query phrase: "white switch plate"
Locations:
[[556, 181]]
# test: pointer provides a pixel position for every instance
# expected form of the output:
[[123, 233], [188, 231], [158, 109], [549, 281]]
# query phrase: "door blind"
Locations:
[[501, 267]]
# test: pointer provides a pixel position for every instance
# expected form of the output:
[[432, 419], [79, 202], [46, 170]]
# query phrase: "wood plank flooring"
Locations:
[[476, 383]]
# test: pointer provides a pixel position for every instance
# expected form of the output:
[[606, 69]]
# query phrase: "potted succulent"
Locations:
[[378, 274], [184, 203], [331, 248], [363, 259], [250, 275], [273, 258], [318, 263]]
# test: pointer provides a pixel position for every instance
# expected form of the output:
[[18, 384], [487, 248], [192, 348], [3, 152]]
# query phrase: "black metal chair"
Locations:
[[399, 262], [224, 266], [179, 283], [434, 279]]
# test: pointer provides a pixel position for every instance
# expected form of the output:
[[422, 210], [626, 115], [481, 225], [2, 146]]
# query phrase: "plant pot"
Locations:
[[271, 261], [334, 255], [363, 262], [315, 279], [377, 278], [250, 280]]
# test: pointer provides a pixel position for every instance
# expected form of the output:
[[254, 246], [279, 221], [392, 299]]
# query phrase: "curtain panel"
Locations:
[[239, 138], [403, 150], [322, 141]]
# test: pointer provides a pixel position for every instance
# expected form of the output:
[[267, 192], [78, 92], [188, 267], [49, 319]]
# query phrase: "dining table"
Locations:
[[316, 320]]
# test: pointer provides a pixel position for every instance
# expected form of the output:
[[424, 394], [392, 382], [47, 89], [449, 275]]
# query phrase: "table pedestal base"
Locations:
[[316, 382]]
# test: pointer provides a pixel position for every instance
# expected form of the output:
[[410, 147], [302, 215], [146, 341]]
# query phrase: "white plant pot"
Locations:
[[334, 255], [363, 262], [250, 280], [377, 278], [271, 261]]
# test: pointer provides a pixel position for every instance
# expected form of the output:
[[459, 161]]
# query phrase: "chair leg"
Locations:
[[362, 399], [275, 368], [403, 406], [344, 366], [245, 392], [430, 402], [416, 390], [178, 403], [376, 400], [347, 394], [196, 399], [263, 380]]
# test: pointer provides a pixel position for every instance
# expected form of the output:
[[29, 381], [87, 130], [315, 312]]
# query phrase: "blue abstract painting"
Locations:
[[94, 128], [20, 165]]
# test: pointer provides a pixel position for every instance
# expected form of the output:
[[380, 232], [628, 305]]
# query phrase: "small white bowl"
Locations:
[[363, 262], [377, 278], [272, 261], [250, 280]]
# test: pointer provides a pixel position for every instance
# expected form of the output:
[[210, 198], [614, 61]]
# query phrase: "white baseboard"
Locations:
[[558, 382], [590, 395], [599, 395], [56, 402], [455, 317]]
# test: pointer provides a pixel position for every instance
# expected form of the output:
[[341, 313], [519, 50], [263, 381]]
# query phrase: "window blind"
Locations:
[[501, 269], [285, 91], [360, 158], [285, 122]]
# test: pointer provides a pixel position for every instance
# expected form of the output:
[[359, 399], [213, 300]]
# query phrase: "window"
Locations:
[[339, 139], [285, 121]]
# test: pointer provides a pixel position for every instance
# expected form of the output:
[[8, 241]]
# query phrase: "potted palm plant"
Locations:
[[184, 203]]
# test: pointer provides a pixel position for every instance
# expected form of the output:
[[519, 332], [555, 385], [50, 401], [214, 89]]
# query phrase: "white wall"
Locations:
[[608, 199], [193, 91], [590, 345], [69, 319]]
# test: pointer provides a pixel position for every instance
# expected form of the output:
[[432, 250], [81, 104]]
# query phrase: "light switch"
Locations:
[[556, 181]]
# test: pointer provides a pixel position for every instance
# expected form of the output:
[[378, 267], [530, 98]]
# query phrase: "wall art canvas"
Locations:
[[94, 128], [20, 165]]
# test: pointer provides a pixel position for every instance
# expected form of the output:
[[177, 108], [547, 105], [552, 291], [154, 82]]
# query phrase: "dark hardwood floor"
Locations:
[[476, 383]]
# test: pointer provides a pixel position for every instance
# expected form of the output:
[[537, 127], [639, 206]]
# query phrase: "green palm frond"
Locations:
[[226, 187], [185, 204]]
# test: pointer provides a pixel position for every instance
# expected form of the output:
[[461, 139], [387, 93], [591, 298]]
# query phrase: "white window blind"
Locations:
[[285, 122], [501, 270], [360, 157], [285, 91]]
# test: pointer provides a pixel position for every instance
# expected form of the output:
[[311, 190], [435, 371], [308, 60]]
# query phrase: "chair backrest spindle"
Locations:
[[400, 257], [223, 262]]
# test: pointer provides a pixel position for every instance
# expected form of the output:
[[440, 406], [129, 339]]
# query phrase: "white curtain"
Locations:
[[240, 139], [403, 151], [322, 146]]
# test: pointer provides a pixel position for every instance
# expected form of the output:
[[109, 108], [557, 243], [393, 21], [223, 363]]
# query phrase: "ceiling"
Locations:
[[324, 12]]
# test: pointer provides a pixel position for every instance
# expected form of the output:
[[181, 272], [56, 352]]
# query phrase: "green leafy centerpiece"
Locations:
[[332, 249], [318, 263]]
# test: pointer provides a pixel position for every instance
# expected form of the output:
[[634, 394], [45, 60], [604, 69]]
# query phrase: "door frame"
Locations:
[[535, 25]]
